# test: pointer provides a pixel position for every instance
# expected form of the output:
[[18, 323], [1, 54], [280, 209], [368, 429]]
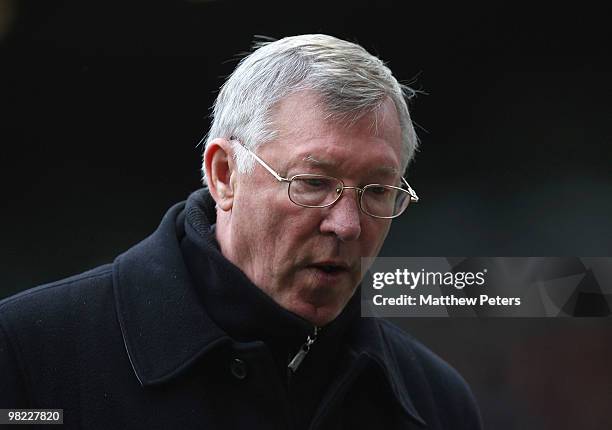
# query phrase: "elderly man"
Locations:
[[240, 311]]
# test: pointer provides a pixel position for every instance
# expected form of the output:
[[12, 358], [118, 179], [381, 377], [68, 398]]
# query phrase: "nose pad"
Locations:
[[347, 194], [344, 217]]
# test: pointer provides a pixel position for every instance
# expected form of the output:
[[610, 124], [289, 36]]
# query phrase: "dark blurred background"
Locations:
[[103, 103]]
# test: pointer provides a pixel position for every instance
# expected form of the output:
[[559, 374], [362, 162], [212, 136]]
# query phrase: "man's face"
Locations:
[[288, 250]]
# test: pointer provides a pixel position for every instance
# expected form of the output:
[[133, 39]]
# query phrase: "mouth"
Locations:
[[330, 269], [327, 284]]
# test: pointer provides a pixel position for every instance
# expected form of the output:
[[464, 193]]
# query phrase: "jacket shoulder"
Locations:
[[62, 303], [40, 327], [436, 384], [43, 293]]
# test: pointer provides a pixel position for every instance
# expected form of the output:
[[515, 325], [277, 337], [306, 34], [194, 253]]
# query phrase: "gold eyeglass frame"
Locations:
[[413, 196]]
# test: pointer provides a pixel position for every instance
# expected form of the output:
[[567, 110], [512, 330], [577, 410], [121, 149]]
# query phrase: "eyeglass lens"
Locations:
[[376, 200]]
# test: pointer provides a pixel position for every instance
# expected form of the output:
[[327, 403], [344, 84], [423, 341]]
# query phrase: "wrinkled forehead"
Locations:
[[304, 116], [325, 163]]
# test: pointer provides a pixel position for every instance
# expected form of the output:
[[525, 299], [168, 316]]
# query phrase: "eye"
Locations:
[[380, 191], [315, 182]]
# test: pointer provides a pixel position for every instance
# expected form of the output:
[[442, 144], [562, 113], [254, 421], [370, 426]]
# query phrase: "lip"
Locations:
[[337, 264], [329, 271]]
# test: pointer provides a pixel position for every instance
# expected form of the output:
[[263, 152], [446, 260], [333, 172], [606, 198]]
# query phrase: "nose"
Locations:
[[343, 218]]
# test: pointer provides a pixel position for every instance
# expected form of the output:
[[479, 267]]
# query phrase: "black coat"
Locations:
[[132, 345]]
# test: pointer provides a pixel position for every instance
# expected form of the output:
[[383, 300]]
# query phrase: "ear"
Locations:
[[219, 167]]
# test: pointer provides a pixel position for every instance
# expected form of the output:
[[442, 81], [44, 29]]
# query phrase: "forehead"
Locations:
[[306, 135]]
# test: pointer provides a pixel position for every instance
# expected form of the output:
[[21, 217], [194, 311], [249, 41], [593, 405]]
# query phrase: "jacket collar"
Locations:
[[231, 300], [166, 329], [368, 339]]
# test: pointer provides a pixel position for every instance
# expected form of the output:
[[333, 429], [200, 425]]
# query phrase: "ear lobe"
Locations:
[[219, 168]]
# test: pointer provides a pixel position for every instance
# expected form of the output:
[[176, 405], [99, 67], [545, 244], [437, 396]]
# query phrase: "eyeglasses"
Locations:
[[320, 191]]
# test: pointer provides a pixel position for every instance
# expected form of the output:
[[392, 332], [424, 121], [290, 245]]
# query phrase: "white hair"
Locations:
[[350, 81]]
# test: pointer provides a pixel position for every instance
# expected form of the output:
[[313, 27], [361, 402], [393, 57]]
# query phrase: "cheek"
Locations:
[[276, 227], [287, 219], [257, 205], [293, 234]]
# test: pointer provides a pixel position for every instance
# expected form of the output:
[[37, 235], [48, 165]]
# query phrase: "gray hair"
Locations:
[[350, 81]]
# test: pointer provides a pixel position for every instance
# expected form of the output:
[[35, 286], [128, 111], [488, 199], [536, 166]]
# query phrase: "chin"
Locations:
[[319, 315]]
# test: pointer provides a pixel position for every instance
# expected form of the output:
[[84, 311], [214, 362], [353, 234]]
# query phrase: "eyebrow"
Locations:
[[329, 165]]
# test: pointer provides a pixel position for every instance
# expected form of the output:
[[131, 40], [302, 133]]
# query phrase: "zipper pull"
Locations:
[[304, 349]]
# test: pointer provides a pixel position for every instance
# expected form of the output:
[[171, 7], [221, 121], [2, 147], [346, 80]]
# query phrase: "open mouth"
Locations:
[[330, 269]]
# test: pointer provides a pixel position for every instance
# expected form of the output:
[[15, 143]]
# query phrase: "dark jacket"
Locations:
[[172, 335]]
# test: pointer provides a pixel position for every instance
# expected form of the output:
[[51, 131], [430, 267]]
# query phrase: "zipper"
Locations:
[[295, 362], [292, 367]]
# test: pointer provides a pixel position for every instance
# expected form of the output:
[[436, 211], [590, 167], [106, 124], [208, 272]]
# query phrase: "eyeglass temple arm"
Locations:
[[413, 195], [278, 177]]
